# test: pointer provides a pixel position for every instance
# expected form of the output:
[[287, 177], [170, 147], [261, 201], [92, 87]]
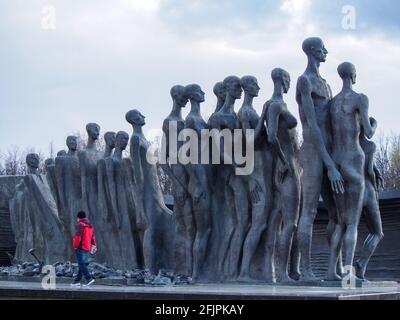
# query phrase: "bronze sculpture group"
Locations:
[[224, 226]]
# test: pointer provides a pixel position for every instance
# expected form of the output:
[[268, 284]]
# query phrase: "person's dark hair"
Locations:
[[81, 215]]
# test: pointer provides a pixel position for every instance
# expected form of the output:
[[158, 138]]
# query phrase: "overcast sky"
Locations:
[[106, 57]]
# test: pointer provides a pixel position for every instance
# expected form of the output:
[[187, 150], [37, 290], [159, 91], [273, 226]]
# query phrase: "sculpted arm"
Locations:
[[369, 124], [245, 125], [304, 87], [274, 112], [165, 140], [82, 167], [219, 141], [137, 165], [261, 122]]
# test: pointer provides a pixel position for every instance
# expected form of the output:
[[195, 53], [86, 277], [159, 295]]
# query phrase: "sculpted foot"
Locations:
[[245, 279], [269, 279], [284, 279], [333, 277], [295, 275], [360, 271], [309, 277]]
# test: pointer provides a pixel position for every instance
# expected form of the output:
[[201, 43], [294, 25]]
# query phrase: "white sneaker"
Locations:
[[89, 283], [75, 284]]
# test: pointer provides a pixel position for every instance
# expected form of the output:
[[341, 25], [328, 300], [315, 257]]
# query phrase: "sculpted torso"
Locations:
[[224, 120], [287, 124], [346, 127], [321, 95], [180, 125]]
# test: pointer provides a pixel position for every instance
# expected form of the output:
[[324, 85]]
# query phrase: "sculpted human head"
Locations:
[[72, 143], [219, 90], [121, 140], [61, 153], [233, 87], [93, 130], [250, 85], [178, 95], [282, 77], [194, 92], [134, 117], [49, 162], [109, 138], [347, 70], [314, 47], [32, 160]]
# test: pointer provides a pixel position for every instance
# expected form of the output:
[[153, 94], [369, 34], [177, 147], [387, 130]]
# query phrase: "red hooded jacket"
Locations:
[[84, 236]]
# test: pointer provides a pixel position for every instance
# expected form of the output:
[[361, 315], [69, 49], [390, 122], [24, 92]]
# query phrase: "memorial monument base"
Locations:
[[114, 289]]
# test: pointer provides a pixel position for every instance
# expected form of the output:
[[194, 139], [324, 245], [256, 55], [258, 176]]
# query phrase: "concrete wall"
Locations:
[[385, 263], [7, 189]]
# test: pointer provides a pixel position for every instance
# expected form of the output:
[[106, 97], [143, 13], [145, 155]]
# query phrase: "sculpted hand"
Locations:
[[198, 196], [373, 179], [380, 182], [336, 179], [284, 171], [140, 222]]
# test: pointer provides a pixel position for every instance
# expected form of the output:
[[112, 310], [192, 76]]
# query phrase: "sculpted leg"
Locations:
[[148, 250], [203, 231], [241, 224], [311, 190], [335, 248], [190, 235], [374, 222], [329, 202], [258, 226], [227, 230], [294, 271], [290, 214], [274, 222], [180, 230], [354, 196], [336, 239]]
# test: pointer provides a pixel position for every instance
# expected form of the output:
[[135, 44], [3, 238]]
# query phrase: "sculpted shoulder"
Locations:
[[214, 120], [304, 84], [363, 99]]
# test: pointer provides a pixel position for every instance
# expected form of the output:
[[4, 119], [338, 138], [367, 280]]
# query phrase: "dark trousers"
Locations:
[[82, 257]]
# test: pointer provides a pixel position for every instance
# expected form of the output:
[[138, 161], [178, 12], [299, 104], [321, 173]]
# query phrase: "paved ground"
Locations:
[[33, 290]]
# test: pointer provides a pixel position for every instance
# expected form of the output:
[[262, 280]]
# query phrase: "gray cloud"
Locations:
[[105, 58]]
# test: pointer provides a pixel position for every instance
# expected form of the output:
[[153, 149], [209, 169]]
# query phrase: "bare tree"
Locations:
[[2, 169], [13, 161], [388, 160]]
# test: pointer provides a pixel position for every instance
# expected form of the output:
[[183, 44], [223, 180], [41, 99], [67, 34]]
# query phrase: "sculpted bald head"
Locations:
[[109, 138], [134, 117], [122, 139], [233, 86], [282, 77], [93, 130], [219, 90], [32, 160], [314, 47], [194, 92], [178, 95], [250, 85], [347, 70], [72, 143]]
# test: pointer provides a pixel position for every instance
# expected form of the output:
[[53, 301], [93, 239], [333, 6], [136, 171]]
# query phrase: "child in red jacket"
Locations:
[[84, 242]]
